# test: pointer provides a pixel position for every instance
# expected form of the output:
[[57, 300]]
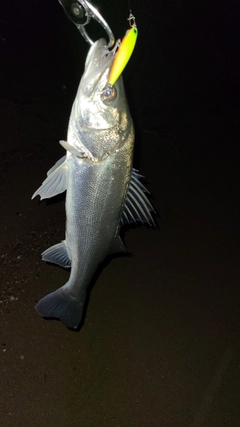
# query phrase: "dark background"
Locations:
[[160, 342]]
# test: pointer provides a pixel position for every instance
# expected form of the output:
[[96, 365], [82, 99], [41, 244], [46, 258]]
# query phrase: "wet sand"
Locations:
[[160, 341]]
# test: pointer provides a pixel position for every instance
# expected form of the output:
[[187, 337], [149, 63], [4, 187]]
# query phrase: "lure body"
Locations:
[[123, 54]]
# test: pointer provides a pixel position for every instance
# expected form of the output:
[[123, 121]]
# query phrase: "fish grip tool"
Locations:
[[80, 12]]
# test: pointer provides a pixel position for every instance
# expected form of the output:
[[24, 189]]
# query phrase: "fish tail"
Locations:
[[63, 306]]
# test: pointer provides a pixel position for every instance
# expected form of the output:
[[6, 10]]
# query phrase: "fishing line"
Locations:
[[129, 7]]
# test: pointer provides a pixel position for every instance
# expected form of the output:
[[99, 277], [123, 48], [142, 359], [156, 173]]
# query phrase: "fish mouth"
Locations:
[[94, 123], [98, 61], [96, 54]]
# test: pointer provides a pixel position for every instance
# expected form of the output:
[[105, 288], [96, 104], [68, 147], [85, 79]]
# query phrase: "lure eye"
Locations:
[[109, 94]]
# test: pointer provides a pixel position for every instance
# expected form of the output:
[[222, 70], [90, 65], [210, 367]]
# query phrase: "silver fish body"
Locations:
[[103, 191]]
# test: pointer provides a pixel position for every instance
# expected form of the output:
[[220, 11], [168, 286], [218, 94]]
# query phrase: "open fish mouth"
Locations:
[[98, 61]]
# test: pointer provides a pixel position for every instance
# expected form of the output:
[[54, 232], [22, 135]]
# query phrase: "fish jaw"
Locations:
[[98, 125]]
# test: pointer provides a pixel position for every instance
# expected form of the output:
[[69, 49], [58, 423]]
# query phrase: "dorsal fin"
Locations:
[[137, 206], [118, 246]]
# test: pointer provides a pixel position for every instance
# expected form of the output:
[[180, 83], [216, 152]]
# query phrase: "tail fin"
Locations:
[[62, 306]]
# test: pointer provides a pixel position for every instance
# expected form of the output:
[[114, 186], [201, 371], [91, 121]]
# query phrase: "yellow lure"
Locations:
[[123, 54]]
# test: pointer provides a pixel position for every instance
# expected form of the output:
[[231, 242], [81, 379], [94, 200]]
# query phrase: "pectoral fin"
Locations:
[[137, 206], [56, 181], [72, 150]]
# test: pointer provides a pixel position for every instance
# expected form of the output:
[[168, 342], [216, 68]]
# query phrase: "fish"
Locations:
[[103, 190]]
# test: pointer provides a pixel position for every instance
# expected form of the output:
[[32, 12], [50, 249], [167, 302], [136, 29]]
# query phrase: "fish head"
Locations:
[[100, 121]]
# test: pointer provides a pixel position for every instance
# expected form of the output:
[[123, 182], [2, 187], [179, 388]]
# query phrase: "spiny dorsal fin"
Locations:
[[137, 206]]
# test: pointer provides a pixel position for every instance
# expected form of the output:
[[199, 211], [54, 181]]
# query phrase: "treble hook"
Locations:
[[80, 12]]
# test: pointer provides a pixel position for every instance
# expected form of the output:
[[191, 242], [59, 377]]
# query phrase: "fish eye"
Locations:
[[109, 94]]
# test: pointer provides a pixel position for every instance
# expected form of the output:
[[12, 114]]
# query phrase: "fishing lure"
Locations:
[[124, 52]]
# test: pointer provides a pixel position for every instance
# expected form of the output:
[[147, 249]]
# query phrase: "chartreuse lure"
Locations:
[[123, 54]]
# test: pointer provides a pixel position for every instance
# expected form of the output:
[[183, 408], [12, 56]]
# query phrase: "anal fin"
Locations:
[[57, 254]]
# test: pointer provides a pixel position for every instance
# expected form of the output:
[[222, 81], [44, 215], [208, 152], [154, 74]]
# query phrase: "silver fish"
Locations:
[[103, 190]]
